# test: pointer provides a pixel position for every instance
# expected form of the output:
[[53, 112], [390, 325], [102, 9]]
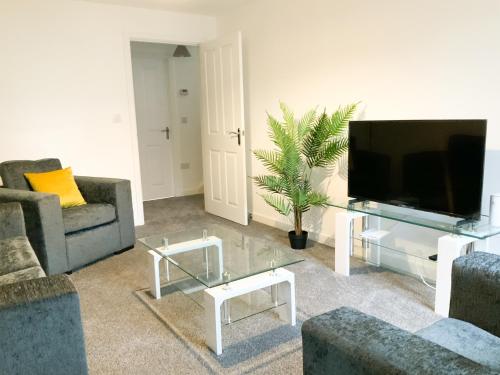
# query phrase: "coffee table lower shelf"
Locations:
[[282, 283], [215, 299]]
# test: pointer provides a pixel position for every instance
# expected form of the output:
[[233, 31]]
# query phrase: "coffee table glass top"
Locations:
[[216, 255]]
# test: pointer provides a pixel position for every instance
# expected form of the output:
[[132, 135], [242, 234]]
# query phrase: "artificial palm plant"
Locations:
[[301, 146]]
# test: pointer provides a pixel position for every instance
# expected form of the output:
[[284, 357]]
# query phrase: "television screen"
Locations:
[[431, 165]]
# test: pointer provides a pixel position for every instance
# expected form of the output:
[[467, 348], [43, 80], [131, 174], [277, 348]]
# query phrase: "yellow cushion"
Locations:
[[60, 182]]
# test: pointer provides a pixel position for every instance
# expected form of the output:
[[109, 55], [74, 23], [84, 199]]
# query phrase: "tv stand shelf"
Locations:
[[479, 229], [457, 235]]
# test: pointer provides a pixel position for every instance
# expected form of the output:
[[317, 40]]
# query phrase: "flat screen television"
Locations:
[[430, 165]]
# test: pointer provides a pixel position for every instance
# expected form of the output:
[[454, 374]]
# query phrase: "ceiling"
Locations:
[[208, 7]]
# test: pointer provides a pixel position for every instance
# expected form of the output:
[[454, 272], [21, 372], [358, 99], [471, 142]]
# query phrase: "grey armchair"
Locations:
[[66, 239], [347, 341], [40, 324]]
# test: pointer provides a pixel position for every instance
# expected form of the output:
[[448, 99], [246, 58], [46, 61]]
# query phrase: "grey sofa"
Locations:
[[347, 341], [40, 324], [66, 239]]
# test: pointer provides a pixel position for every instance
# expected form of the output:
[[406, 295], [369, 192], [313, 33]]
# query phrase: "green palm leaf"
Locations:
[[317, 199], [315, 139], [305, 124], [340, 119], [278, 203], [330, 152], [277, 132], [272, 160], [273, 184]]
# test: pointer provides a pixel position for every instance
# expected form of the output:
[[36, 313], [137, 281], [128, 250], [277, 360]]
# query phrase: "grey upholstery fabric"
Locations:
[[346, 341], [16, 254], [44, 227], [475, 294], [41, 329], [22, 275], [87, 246], [87, 216], [12, 172], [11, 220], [40, 324], [116, 192], [56, 240], [465, 339], [17, 258]]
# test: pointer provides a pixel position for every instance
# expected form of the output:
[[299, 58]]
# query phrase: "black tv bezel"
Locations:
[[474, 217]]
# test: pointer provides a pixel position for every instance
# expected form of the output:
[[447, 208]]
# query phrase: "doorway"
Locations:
[[167, 106]]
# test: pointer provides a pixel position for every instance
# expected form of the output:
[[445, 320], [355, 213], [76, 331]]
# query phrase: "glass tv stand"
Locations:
[[458, 234]]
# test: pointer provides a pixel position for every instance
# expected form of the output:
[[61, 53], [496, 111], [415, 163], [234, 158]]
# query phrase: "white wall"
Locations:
[[402, 59], [66, 81]]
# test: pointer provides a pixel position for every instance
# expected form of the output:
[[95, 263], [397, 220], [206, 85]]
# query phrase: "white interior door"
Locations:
[[223, 128], [154, 132]]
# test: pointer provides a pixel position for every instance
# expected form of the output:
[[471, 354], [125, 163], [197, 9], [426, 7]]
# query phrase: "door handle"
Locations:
[[238, 134], [166, 131]]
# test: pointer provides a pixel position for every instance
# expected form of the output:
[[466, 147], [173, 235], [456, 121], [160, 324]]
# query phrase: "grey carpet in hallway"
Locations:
[[124, 337]]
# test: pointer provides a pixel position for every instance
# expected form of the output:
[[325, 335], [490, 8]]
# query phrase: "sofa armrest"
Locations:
[[346, 341], [41, 328], [475, 290], [116, 192], [11, 221], [44, 227]]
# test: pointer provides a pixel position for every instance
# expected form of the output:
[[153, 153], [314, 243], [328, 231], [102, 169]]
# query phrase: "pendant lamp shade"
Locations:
[[181, 51]]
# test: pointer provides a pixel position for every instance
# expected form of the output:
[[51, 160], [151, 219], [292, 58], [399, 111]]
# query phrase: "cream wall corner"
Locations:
[[66, 82], [403, 60]]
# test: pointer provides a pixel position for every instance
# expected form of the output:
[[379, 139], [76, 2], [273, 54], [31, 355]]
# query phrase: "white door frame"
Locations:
[[136, 166]]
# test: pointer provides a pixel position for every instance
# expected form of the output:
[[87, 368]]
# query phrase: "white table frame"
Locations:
[[450, 247], [281, 281], [164, 252]]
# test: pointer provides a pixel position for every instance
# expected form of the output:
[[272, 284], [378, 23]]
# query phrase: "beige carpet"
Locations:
[[248, 345], [123, 336]]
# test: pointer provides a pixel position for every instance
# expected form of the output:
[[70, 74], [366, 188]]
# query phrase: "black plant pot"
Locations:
[[298, 242]]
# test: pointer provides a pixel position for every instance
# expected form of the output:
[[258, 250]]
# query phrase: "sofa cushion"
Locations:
[[465, 339], [12, 172], [60, 182], [347, 342], [86, 246], [16, 254], [88, 216], [22, 275]]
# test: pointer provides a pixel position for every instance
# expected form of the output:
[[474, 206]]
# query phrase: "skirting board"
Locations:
[[181, 191], [186, 192]]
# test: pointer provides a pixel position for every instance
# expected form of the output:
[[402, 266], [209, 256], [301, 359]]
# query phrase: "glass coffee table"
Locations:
[[222, 267]]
